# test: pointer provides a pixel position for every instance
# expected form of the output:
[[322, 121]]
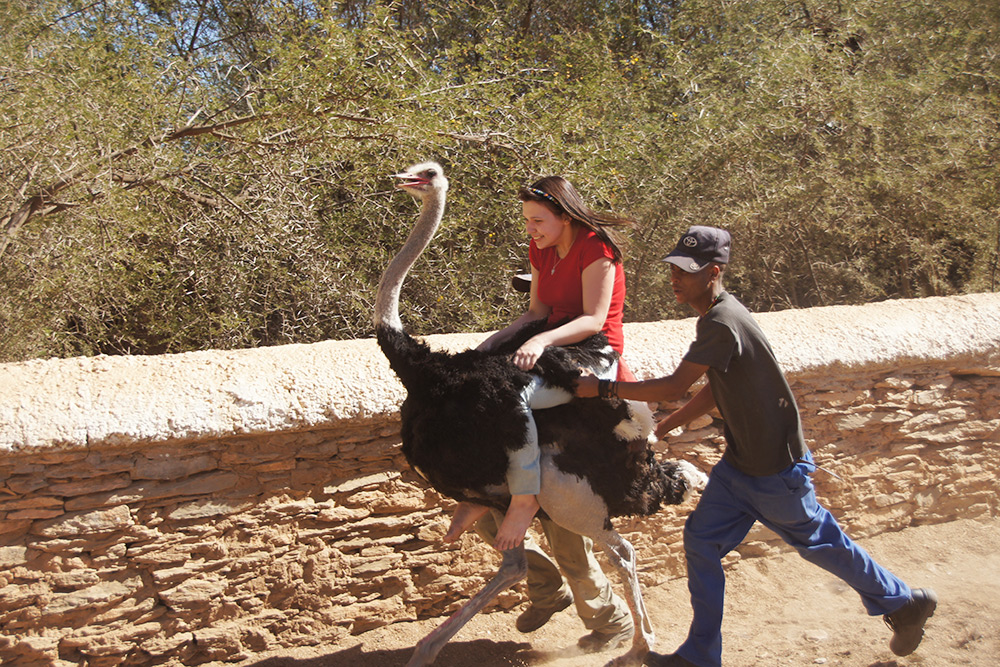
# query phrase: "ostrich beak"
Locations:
[[410, 180]]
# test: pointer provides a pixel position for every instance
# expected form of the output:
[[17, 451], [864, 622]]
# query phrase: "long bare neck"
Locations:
[[387, 298]]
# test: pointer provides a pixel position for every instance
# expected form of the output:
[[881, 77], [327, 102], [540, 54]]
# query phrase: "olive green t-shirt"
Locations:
[[762, 427]]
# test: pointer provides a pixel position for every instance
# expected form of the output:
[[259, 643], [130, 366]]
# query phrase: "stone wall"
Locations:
[[205, 506]]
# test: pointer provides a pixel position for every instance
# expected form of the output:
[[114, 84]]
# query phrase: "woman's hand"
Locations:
[[528, 354]]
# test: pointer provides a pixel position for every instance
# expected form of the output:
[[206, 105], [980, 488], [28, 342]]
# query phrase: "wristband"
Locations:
[[607, 389]]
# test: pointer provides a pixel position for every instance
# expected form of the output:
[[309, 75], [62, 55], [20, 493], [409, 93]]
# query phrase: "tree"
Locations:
[[184, 174]]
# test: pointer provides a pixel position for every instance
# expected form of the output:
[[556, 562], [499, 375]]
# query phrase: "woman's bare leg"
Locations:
[[465, 515], [516, 521]]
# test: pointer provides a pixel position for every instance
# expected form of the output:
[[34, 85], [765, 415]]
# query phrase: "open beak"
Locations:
[[410, 180]]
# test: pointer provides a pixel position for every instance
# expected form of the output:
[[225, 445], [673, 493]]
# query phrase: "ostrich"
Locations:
[[460, 417]]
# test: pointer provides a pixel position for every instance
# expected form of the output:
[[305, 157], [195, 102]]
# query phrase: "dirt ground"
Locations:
[[780, 610]]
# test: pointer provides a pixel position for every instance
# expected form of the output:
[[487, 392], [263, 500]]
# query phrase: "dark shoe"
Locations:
[[521, 282], [672, 660], [535, 617], [600, 641], [907, 623]]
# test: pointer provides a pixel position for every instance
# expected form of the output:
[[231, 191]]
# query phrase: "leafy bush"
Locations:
[[173, 183]]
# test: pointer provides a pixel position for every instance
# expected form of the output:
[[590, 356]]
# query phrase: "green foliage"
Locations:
[[186, 174]]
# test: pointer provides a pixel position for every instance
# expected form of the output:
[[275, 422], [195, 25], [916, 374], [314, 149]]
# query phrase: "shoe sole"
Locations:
[[555, 610], [931, 608], [615, 641]]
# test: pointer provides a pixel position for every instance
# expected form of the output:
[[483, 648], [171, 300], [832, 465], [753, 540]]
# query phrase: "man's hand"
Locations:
[[586, 385], [663, 429]]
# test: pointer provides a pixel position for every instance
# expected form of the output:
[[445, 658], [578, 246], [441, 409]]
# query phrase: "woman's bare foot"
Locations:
[[465, 515], [515, 523]]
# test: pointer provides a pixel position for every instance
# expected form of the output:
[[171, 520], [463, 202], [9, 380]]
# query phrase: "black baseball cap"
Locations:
[[699, 246]]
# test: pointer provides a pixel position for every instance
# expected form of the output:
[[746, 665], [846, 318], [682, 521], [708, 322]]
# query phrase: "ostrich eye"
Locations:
[[431, 173]]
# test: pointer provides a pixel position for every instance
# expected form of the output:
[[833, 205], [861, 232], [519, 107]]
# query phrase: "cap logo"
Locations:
[[694, 266], [690, 241]]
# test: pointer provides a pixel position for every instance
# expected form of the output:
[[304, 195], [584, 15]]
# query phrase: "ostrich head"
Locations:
[[423, 180], [427, 184]]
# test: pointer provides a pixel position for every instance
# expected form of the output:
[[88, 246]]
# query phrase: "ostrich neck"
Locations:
[[387, 298]]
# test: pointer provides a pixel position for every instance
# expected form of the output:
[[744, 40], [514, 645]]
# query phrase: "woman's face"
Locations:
[[543, 226]]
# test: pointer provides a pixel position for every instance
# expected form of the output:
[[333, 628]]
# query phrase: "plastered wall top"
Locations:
[[101, 401]]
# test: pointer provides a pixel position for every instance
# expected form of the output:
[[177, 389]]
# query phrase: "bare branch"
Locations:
[[482, 139], [41, 202]]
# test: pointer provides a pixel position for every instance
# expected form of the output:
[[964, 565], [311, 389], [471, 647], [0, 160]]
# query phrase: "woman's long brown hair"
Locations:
[[559, 195]]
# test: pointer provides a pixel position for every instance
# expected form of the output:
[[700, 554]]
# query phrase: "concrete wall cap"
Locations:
[[122, 400]]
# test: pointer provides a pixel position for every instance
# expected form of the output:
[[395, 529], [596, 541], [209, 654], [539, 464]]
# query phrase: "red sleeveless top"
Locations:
[[560, 282]]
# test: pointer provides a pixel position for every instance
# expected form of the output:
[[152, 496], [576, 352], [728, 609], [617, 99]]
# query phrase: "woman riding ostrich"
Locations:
[[462, 417]]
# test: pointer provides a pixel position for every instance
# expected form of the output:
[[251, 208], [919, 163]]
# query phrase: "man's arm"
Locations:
[[673, 387], [700, 404]]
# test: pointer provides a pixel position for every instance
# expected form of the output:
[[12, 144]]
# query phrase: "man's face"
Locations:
[[691, 287]]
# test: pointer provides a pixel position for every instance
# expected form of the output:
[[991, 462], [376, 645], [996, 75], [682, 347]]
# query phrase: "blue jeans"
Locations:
[[786, 503], [523, 473]]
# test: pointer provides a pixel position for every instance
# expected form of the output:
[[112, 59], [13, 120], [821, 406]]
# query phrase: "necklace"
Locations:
[[572, 240], [716, 300]]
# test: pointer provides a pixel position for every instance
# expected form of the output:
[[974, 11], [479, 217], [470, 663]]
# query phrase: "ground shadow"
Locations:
[[478, 652]]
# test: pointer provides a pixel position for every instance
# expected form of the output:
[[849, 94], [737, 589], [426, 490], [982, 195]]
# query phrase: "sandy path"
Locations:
[[780, 611]]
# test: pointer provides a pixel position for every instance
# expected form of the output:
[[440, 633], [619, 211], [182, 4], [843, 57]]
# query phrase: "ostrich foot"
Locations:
[[516, 521], [513, 568], [634, 658], [465, 515]]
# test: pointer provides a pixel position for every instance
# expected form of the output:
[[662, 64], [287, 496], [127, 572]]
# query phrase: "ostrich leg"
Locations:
[[621, 554], [513, 568]]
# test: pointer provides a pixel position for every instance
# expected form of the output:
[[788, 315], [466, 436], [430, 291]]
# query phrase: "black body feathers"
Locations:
[[462, 415]]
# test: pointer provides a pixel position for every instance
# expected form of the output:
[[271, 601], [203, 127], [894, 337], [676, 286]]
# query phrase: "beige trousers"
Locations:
[[597, 604]]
